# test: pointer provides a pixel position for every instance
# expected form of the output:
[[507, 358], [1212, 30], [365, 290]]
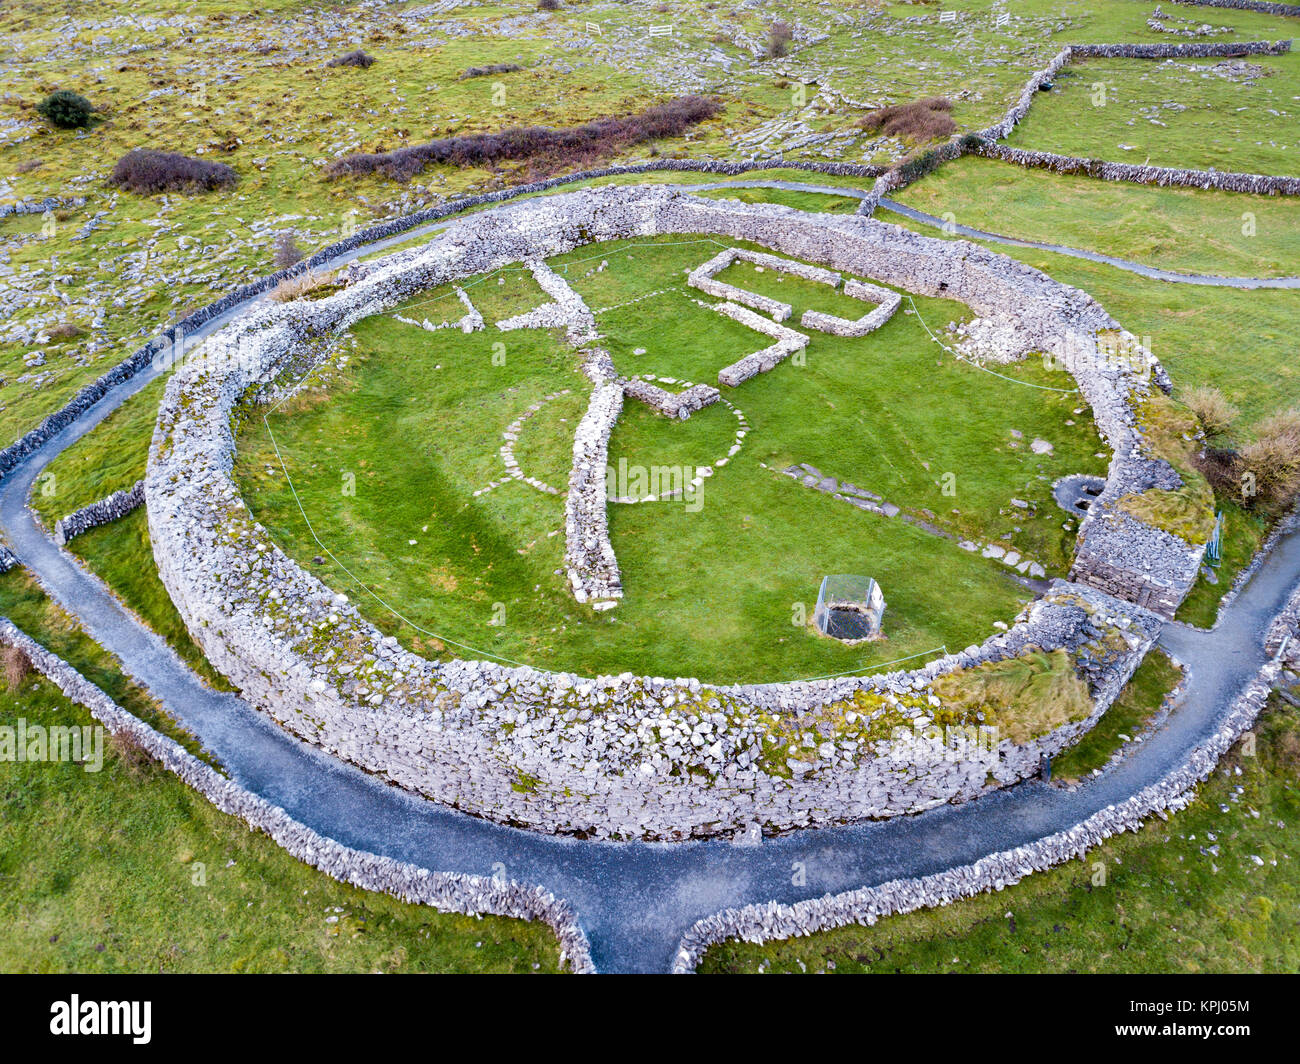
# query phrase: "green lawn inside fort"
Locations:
[[718, 586]]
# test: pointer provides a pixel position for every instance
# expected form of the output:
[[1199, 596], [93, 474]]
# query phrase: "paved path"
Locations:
[[634, 899]]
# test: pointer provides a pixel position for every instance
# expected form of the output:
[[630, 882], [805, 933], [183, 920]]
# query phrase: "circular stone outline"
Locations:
[[524, 745]]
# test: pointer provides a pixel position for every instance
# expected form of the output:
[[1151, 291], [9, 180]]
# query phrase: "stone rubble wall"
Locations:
[[568, 311], [803, 270], [1172, 793], [676, 405], [589, 557], [788, 341], [1205, 50], [51, 203], [1137, 173], [702, 277], [445, 891], [1017, 111], [115, 506], [1285, 628], [1263, 6], [868, 323], [470, 321], [610, 756], [1184, 27], [1103, 559]]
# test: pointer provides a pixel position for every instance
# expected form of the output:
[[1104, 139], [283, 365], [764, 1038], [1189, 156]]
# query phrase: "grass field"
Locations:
[[128, 870], [1183, 113], [120, 554], [1189, 230], [24, 603], [109, 458], [1212, 890], [711, 591]]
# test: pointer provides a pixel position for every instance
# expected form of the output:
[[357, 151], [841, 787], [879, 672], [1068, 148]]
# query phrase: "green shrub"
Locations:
[[917, 166], [66, 109]]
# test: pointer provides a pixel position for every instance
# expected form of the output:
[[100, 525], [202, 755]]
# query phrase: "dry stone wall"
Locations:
[[1138, 173], [589, 557], [677, 405], [888, 302], [788, 341], [703, 278], [613, 756], [115, 506], [1262, 6]]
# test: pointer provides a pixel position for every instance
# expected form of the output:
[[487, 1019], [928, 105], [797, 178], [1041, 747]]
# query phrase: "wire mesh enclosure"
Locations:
[[849, 608]]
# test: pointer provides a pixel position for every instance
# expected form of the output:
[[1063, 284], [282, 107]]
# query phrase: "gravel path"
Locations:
[[635, 899]]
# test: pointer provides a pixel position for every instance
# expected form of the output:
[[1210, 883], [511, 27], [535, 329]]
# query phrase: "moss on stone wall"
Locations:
[[1187, 512], [1023, 697]]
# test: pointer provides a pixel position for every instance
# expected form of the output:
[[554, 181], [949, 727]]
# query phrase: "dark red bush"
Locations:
[[356, 58], [921, 121], [147, 171], [550, 148]]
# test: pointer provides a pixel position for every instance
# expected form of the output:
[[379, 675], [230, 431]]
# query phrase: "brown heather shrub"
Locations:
[[1221, 466], [128, 750], [549, 149], [548, 5], [66, 331], [297, 287], [28, 165], [284, 249], [1273, 460], [147, 171], [17, 667], [1212, 410], [356, 58], [921, 121], [494, 68], [779, 36]]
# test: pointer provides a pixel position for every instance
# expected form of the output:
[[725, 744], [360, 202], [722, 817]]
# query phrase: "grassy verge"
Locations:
[[120, 554], [1128, 715], [24, 603], [1243, 533], [128, 870], [110, 457], [1212, 890]]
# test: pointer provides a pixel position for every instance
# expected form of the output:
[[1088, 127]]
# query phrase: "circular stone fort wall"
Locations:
[[628, 756]]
